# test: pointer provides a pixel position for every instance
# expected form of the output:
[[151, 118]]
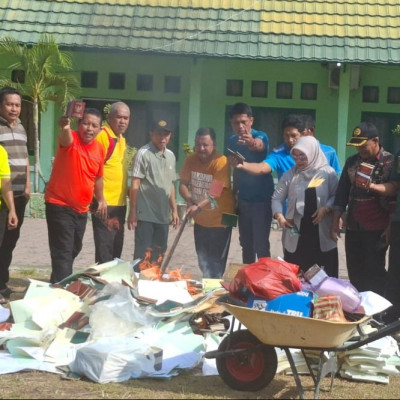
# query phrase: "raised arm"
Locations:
[[65, 136]]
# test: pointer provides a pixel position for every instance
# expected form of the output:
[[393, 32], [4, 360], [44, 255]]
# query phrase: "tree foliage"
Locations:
[[47, 76]]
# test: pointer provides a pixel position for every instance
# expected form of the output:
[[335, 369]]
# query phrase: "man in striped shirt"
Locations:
[[13, 138]]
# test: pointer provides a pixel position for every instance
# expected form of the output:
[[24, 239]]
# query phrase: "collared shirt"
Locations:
[[253, 188], [366, 211], [115, 168], [157, 172], [14, 140], [4, 167]]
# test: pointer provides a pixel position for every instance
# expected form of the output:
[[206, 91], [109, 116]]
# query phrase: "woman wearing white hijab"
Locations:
[[309, 186]]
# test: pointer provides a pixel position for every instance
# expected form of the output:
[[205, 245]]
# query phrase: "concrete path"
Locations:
[[32, 251]]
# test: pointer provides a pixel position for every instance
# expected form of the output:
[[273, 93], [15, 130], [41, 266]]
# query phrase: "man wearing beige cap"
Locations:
[[152, 193], [367, 211]]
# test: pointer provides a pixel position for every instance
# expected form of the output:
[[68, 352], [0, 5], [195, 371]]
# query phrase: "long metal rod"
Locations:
[[167, 258]]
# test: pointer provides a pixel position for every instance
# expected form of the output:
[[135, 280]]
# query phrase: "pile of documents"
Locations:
[[373, 362], [107, 324]]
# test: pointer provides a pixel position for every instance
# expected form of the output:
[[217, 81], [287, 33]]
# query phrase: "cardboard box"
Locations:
[[298, 304], [231, 271]]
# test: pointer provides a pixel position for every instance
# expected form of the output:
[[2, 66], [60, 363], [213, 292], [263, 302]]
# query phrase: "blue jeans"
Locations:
[[212, 248], [254, 228]]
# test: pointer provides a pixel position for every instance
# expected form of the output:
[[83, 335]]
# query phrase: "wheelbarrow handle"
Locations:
[[167, 258]]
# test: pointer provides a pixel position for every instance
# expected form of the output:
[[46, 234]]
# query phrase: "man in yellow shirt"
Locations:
[[109, 235]]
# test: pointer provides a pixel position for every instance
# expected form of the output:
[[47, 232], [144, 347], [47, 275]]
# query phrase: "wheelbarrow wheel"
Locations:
[[246, 370]]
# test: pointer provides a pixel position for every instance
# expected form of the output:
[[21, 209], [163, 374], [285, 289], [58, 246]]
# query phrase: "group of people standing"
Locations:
[[312, 194]]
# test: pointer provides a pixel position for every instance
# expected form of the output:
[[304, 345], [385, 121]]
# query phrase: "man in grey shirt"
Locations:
[[152, 194]]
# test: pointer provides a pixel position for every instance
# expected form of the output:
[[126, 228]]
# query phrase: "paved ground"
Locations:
[[32, 251]]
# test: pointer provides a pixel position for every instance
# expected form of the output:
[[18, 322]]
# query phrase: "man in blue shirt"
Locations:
[[280, 160], [329, 151], [253, 193]]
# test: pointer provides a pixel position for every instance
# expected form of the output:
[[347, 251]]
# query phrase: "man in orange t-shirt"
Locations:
[[205, 166], [77, 174]]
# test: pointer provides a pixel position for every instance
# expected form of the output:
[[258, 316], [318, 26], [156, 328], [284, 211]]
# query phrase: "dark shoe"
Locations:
[[6, 292]]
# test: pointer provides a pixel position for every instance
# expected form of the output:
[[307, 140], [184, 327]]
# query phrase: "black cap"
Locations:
[[161, 125], [363, 132]]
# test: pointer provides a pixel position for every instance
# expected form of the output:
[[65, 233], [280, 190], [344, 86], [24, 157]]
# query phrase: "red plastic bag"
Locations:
[[267, 278]]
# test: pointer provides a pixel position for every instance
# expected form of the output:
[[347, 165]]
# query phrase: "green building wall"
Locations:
[[203, 98]]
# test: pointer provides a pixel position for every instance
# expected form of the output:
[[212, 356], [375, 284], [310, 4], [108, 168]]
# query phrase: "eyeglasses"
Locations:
[[203, 145], [299, 156]]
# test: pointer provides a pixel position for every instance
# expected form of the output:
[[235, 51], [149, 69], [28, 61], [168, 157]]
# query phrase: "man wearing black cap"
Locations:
[[367, 210], [152, 193]]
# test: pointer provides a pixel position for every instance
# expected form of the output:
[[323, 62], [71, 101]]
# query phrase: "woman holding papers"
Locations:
[[310, 187]]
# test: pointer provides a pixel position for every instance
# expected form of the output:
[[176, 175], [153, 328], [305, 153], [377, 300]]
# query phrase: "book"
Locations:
[[216, 188], [366, 168], [75, 109], [363, 174], [239, 157]]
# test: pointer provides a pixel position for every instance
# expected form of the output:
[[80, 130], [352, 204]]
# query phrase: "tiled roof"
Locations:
[[322, 30]]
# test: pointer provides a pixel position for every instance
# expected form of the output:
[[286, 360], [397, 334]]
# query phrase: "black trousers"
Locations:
[[366, 260], [109, 235], [10, 238], [66, 228], [392, 288], [212, 248]]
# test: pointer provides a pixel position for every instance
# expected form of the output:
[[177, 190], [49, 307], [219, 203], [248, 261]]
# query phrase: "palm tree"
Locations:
[[47, 76]]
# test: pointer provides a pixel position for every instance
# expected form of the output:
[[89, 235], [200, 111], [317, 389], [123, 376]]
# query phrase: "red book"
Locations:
[[216, 188], [75, 109], [363, 173]]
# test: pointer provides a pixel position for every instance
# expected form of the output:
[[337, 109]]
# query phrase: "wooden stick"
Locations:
[[167, 258]]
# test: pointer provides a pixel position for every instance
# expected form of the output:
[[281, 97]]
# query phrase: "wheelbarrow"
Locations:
[[246, 358]]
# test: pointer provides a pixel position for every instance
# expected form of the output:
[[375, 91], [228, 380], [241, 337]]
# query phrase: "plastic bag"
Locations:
[[114, 360], [267, 278], [349, 295], [119, 315]]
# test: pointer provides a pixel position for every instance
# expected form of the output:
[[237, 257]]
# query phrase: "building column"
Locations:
[[47, 142], [343, 112], [194, 106]]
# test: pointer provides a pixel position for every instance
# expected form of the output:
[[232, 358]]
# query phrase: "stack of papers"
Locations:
[[373, 362]]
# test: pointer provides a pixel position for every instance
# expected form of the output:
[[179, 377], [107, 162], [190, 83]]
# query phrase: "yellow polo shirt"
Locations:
[[115, 168], [5, 172]]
